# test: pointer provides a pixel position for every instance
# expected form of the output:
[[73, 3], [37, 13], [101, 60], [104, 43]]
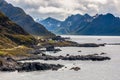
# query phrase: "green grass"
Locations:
[[15, 52], [11, 41], [6, 43], [56, 43], [12, 36], [24, 39], [1, 53]]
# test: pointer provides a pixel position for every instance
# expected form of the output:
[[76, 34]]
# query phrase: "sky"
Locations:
[[61, 9]]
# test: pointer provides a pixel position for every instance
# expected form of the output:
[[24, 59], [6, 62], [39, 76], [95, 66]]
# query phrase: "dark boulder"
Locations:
[[103, 53], [75, 68], [67, 54], [79, 51], [58, 38], [35, 51], [52, 48]]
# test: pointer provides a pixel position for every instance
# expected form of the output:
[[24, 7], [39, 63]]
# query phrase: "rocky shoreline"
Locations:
[[10, 65], [92, 57], [59, 41], [73, 44]]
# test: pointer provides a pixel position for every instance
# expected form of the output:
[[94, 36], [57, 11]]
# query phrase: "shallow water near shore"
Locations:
[[103, 70]]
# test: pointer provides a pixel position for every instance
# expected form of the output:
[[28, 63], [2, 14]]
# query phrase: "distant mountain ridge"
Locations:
[[50, 23], [106, 24], [99, 24], [17, 15]]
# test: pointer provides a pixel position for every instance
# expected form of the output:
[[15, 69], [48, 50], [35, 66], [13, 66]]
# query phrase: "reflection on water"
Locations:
[[104, 70]]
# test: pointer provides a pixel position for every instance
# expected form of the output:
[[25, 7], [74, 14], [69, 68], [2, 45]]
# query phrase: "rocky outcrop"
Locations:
[[52, 48], [58, 38], [75, 68], [103, 53], [8, 64], [91, 57], [70, 44], [75, 44], [90, 45], [86, 57], [36, 66]]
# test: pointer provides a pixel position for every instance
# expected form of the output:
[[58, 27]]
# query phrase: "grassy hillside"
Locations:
[[12, 36]]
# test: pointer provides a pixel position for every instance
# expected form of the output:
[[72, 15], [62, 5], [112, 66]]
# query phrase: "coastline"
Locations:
[[6, 61]]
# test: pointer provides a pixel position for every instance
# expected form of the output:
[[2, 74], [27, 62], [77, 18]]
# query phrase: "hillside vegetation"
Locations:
[[12, 36]]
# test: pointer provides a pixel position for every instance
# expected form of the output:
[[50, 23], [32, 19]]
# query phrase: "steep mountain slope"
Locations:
[[12, 35], [74, 23], [51, 24], [17, 15], [102, 25]]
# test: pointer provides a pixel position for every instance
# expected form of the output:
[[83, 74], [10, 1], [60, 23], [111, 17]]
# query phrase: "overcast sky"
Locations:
[[60, 9]]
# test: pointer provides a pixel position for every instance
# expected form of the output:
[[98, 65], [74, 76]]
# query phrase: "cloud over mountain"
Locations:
[[60, 9]]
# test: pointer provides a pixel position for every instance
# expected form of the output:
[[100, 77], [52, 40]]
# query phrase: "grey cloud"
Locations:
[[60, 9]]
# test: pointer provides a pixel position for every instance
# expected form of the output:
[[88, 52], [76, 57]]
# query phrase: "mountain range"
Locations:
[[99, 24], [17, 15]]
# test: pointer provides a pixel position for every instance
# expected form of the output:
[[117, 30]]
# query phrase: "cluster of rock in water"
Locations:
[[9, 64], [93, 57]]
